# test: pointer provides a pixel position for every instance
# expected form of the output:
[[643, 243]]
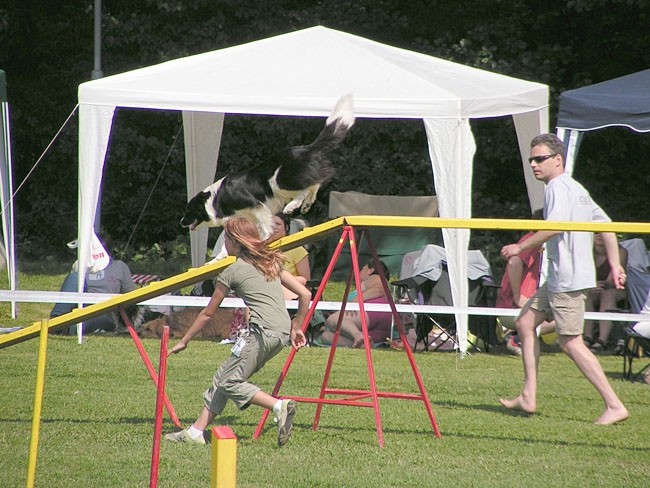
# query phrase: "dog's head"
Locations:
[[195, 211], [200, 209], [153, 328]]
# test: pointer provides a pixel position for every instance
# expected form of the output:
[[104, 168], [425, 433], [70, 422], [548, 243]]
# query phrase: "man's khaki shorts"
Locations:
[[566, 308]]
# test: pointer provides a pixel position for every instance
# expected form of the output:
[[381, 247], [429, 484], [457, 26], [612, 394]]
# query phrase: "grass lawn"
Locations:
[[97, 422], [98, 409]]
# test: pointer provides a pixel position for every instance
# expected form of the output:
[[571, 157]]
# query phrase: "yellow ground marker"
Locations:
[[38, 405], [224, 458]]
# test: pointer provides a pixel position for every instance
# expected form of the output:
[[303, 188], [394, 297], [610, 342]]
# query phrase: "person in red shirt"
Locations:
[[520, 281]]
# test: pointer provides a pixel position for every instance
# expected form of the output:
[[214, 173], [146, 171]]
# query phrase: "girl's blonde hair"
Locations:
[[253, 250]]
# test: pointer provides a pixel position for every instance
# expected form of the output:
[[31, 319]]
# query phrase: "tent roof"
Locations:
[[321, 65], [623, 101], [304, 73]]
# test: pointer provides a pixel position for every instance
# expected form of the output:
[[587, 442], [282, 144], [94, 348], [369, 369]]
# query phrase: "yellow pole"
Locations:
[[224, 458], [38, 403]]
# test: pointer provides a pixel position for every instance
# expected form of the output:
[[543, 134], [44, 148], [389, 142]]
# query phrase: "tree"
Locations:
[[47, 53]]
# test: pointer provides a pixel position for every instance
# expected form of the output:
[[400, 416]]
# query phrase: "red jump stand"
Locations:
[[354, 398], [148, 364]]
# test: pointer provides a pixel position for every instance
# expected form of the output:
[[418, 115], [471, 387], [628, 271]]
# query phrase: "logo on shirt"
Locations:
[[96, 276]]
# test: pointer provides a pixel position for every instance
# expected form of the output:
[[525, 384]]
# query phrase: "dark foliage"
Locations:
[[47, 51]]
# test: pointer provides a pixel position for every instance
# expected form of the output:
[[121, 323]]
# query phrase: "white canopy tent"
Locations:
[[304, 73]]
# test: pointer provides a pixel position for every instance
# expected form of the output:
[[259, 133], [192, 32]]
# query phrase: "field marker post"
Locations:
[[38, 405], [224, 458]]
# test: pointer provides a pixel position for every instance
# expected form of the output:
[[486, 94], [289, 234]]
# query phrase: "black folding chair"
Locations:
[[636, 347]]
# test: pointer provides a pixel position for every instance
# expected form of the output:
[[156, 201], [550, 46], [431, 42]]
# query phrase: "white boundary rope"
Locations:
[[188, 301], [40, 158]]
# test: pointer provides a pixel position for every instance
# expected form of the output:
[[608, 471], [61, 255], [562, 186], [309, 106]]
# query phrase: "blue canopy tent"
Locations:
[[623, 102]]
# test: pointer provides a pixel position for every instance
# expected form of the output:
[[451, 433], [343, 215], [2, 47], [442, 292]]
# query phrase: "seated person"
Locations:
[[296, 259], [115, 278], [643, 327], [604, 297], [520, 281], [379, 323], [296, 263]]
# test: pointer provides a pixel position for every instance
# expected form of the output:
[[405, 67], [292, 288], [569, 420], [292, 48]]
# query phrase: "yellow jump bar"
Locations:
[[308, 235]]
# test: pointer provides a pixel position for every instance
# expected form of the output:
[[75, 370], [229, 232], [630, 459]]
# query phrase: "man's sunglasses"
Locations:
[[541, 159]]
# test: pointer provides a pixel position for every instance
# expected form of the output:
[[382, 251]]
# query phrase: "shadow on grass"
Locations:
[[229, 420], [333, 430], [550, 442], [493, 408]]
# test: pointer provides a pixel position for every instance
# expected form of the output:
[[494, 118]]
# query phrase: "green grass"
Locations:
[[28, 313], [97, 420], [98, 412]]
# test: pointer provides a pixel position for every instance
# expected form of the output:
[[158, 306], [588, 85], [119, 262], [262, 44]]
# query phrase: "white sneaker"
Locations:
[[285, 421], [184, 436]]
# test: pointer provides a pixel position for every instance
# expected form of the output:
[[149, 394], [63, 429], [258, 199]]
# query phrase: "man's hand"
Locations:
[[619, 277]]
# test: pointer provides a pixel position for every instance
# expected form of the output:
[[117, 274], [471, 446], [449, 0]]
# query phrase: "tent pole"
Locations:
[[97, 70], [6, 188]]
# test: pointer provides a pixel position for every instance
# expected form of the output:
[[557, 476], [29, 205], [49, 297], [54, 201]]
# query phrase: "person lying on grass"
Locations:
[[257, 278]]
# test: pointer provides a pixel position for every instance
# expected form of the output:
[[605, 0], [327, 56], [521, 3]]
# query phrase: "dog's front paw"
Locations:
[[305, 207], [309, 200], [290, 207]]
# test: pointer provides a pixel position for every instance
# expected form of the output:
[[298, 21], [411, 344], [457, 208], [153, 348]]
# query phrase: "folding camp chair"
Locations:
[[638, 291], [636, 347], [424, 275], [430, 331], [391, 243]]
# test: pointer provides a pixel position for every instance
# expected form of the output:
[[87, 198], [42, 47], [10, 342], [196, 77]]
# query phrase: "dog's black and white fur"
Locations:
[[259, 193]]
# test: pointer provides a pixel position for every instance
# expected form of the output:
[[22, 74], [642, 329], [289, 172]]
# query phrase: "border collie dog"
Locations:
[[286, 185]]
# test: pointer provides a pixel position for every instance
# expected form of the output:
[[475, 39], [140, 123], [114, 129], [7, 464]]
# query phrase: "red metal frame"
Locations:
[[158, 420], [147, 362], [355, 398]]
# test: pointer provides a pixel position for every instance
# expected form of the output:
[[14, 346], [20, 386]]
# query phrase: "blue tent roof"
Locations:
[[623, 101]]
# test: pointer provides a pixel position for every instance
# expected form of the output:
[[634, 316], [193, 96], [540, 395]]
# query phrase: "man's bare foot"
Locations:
[[519, 404], [358, 342], [612, 415]]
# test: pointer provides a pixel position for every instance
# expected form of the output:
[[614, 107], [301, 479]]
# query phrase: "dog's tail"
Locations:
[[336, 128], [342, 116]]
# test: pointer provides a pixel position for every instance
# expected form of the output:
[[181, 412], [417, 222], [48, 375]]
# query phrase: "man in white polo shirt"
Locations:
[[571, 272]]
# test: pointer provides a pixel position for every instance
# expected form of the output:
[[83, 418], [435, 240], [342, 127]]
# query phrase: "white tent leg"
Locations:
[[6, 195], [95, 123], [451, 148], [528, 125], [202, 141], [572, 139]]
